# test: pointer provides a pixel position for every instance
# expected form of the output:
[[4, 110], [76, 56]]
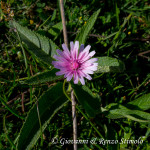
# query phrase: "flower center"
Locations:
[[74, 65]]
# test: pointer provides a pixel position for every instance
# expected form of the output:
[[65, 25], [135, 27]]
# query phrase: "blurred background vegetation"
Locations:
[[122, 31]]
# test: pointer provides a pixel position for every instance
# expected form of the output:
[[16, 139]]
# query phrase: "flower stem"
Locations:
[[63, 22], [74, 118], [72, 93], [85, 116]]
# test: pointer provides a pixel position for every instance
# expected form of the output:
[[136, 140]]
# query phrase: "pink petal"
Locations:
[[54, 62], [74, 52], [85, 65], [59, 63], [59, 58], [85, 52], [81, 47], [69, 77], [60, 73], [60, 53], [80, 73], [93, 68], [82, 80], [71, 46], [64, 55], [66, 50], [92, 60], [75, 77], [88, 71], [88, 77], [68, 73], [95, 64], [91, 54], [81, 56]]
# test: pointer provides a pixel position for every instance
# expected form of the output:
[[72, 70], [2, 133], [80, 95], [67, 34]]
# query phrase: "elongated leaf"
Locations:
[[46, 76], [53, 48], [48, 104], [55, 30], [118, 111], [89, 101], [108, 64], [37, 44], [142, 102], [81, 37]]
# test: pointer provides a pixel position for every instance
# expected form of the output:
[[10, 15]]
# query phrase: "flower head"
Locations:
[[75, 63]]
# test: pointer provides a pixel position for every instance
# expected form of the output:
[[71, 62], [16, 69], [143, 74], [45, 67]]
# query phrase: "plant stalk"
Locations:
[[63, 22], [74, 117], [72, 93]]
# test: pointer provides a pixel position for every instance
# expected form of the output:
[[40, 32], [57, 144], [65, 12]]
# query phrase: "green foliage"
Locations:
[[108, 64], [114, 105], [82, 35], [142, 103], [47, 106], [118, 111], [89, 101], [55, 30], [40, 46], [46, 76], [132, 109]]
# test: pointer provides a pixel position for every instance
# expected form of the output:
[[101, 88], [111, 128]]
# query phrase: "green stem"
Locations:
[[6, 134], [44, 22], [82, 112], [40, 124], [116, 38], [9, 81], [98, 76], [11, 110]]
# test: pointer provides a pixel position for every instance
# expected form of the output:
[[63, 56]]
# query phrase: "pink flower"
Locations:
[[74, 63]]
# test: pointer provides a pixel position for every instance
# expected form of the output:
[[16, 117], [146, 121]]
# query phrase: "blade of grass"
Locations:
[[117, 14], [40, 124], [6, 133], [44, 22], [11, 110], [116, 38]]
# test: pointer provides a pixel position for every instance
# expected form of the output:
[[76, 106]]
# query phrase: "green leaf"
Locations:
[[108, 64], [82, 35], [46, 76], [53, 48], [118, 111], [89, 101], [55, 30], [142, 102], [48, 104], [54, 15], [40, 46]]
